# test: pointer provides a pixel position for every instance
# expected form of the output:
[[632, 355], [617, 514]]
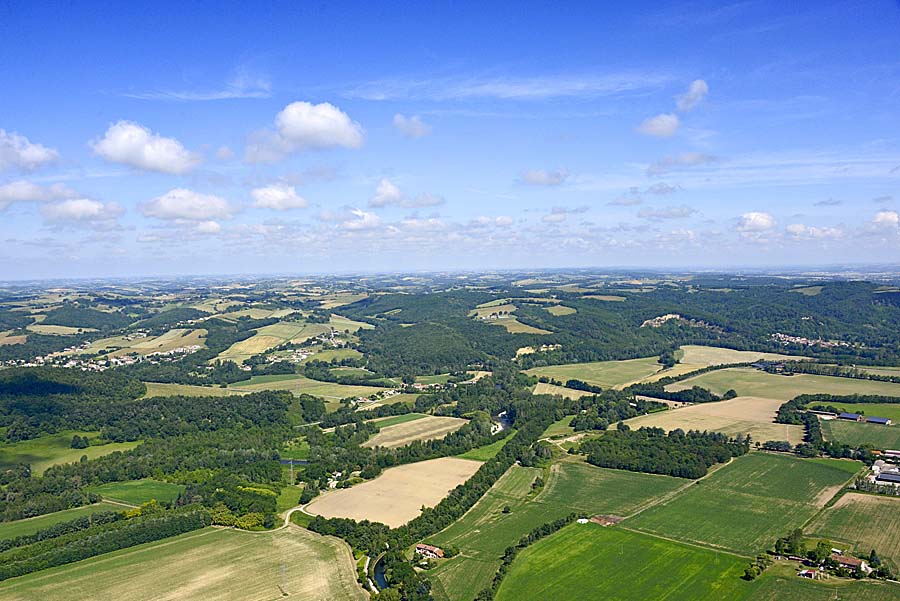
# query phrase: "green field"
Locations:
[[888, 410], [160, 389], [32, 525], [485, 531], [384, 422], [560, 428], [855, 433], [302, 385], [587, 561], [487, 451], [606, 374], [338, 353], [753, 382], [135, 492], [864, 522], [209, 564], [745, 505], [54, 449]]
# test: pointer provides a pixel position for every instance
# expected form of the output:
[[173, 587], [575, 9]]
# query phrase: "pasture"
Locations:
[[741, 415], [606, 374], [402, 433], [485, 530], [568, 393], [32, 525], [51, 330], [396, 496], [745, 505], [560, 310], [704, 356], [588, 561], [136, 492], [514, 326], [54, 449], [6, 338], [164, 389], [488, 451], [393, 420], [753, 382], [856, 434], [865, 522], [206, 565], [492, 308], [302, 385]]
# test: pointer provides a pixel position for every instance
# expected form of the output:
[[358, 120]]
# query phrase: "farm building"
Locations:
[[888, 478], [850, 562], [884, 421], [851, 417], [430, 551]]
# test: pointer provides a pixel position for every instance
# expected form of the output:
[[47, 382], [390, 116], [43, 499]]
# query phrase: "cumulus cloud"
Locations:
[[801, 231], [884, 220], [695, 93], [352, 218], [411, 127], [187, 205], [207, 227], [662, 188], [23, 191], [684, 159], [280, 197], [305, 126], [388, 194], [81, 210], [666, 213], [661, 126], [485, 221], [542, 177], [134, 145], [17, 151], [755, 221]]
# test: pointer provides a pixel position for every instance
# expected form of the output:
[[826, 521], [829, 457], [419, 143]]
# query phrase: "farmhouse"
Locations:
[[888, 478], [430, 551], [884, 421], [852, 417], [850, 562]]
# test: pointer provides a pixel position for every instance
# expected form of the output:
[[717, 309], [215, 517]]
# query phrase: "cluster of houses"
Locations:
[[104, 362], [788, 339], [887, 470], [853, 417]]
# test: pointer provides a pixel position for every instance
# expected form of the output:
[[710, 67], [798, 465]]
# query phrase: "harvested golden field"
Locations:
[[6, 339], [704, 356], [396, 496], [239, 351], [742, 415], [485, 311], [605, 297], [38, 328], [514, 326], [426, 428], [569, 393], [560, 310]]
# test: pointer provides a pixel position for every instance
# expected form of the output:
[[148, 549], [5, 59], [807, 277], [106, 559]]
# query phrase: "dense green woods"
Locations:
[[76, 316]]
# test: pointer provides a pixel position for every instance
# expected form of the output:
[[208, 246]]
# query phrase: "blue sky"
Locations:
[[217, 138]]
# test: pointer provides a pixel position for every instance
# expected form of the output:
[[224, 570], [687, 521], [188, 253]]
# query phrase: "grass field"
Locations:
[[752, 382], [135, 492], [888, 410], [606, 374], [587, 561], [336, 353], [32, 525], [559, 310], [427, 428], [514, 326], [6, 338], [303, 385], [855, 434], [386, 422], [206, 565], [569, 393], [741, 415], [865, 522], [487, 451], [396, 496], [485, 531], [39, 328], [490, 308], [560, 428], [54, 449], [704, 356], [161, 389], [743, 505], [610, 298]]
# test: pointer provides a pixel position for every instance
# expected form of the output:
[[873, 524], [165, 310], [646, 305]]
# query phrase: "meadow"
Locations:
[[488, 451], [514, 326], [164, 389], [485, 530], [745, 505], [136, 492], [606, 374], [856, 434], [302, 385], [753, 382], [397, 495], [205, 565], [427, 428], [559, 310], [741, 415], [53, 449], [32, 525], [569, 393], [864, 522], [386, 422]]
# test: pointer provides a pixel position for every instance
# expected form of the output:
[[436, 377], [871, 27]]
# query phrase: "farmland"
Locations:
[[485, 531], [748, 503], [135, 492], [606, 374], [753, 382], [39, 328], [741, 415], [864, 521], [396, 496], [888, 410], [209, 564], [703, 356], [559, 310], [163, 389], [569, 393], [32, 525], [117, 346], [303, 385], [426, 428], [854, 433], [53, 449]]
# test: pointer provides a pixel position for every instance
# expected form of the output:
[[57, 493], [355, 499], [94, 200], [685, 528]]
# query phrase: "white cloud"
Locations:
[[388, 194], [666, 213], [224, 153], [187, 205], [19, 152], [411, 127], [500, 221], [23, 191], [280, 197], [799, 230], [133, 144], [361, 220], [207, 227], [756, 221], [662, 188], [305, 126], [542, 177], [695, 93], [886, 220], [83, 210], [684, 159], [661, 126]]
